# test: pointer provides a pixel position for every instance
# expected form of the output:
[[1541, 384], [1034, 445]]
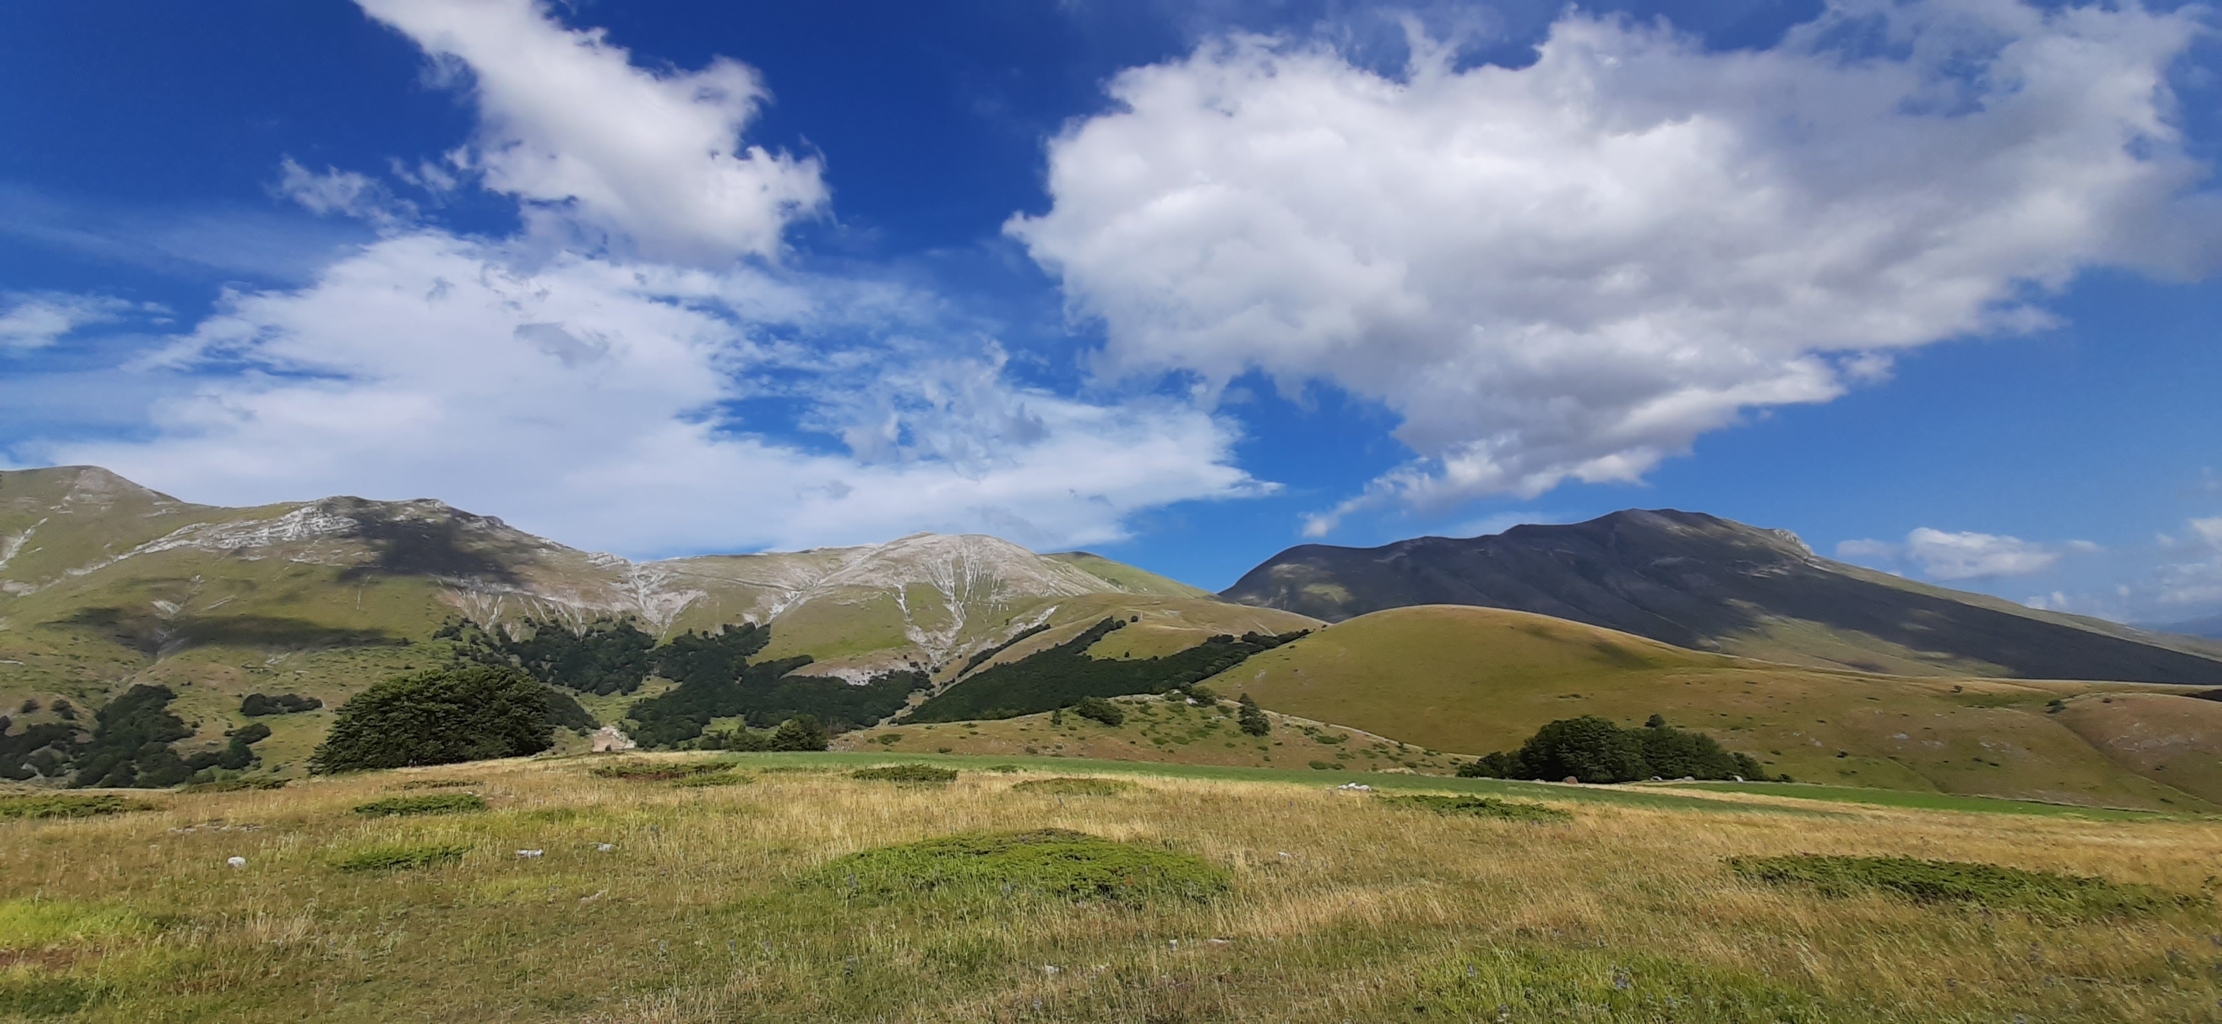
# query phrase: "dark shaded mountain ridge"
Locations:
[[1707, 583]]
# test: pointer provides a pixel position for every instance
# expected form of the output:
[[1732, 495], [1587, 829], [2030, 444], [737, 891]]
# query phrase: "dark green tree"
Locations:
[[802, 732], [1588, 748], [439, 716], [131, 742], [1100, 710], [1252, 718]]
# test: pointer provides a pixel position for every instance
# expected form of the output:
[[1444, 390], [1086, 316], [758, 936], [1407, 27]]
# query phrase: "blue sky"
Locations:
[[1928, 283]]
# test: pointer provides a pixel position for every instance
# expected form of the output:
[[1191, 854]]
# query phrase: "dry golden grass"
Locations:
[[1342, 908]]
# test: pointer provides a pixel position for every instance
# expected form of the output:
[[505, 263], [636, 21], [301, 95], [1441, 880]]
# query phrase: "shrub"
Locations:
[[1051, 864], [67, 806], [1252, 718], [1074, 787], [235, 784], [1098, 709], [431, 803], [1479, 806], [398, 857], [256, 705], [725, 778], [906, 773], [658, 771], [438, 716], [1987, 886]]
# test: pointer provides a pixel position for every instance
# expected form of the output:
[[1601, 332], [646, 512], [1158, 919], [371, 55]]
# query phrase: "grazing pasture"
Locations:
[[1024, 891]]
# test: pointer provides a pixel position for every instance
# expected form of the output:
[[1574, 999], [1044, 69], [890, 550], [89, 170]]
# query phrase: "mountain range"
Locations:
[[1709, 584], [1803, 662]]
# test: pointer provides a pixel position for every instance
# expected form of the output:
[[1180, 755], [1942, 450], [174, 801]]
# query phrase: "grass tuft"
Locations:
[[1479, 807], [29, 994], [1986, 886], [37, 924], [1074, 787], [67, 806], [916, 773], [400, 857], [1049, 863], [437, 803]]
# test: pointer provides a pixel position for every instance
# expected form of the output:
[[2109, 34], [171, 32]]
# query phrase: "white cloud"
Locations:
[[2190, 573], [1573, 269], [1969, 556], [348, 193], [37, 320], [1963, 556], [581, 399], [590, 142]]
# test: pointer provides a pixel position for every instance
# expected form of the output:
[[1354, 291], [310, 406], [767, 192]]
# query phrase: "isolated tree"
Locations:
[[1252, 718], [1100, 710], [802, 732], [439, 716]]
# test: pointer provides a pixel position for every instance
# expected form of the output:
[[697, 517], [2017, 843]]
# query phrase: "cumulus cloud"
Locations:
[[617, 377], [36, 320], [591, 143], [1963, 556], [1569, 271], [582, 399]]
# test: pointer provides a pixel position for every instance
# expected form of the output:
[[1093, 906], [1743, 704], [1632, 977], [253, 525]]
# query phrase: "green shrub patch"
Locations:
[[726, 778], [1074, 787], [71, 806], [659, 771], [1050, 863], [235, 784], [906, 773], [401, 857], [1987, 886], [433, 803], [1479, 807]]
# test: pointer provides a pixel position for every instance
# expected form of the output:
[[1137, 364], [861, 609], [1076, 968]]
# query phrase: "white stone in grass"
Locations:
[[604, 847], [237, 862]]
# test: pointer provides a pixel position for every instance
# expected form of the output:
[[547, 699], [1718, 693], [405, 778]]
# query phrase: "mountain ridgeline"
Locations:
[[1704, 583]]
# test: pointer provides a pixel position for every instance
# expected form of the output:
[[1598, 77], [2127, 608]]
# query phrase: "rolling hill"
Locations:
[[1710, 584], [1472, 680]]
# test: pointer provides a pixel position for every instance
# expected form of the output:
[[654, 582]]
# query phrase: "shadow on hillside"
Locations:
[[430, 547], [152, 635]]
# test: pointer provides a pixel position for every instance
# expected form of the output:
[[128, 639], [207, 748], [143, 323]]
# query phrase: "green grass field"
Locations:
[[801, 893]]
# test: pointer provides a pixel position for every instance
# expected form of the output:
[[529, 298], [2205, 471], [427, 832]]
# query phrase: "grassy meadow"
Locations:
[[1472, 680], [782, 888]]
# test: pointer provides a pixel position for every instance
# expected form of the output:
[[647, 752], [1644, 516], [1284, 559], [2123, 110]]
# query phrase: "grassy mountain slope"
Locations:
[[104, 583], [1127, 578], [1472, 680], [1705, 583]]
